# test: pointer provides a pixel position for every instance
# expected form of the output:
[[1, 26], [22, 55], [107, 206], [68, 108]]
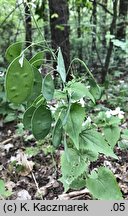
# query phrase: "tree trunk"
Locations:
[[94, 37], [59, 16], [94, 18], [110, 47], [105, 2], [79, 35], [79, 32], [123, 11], [28, 27]]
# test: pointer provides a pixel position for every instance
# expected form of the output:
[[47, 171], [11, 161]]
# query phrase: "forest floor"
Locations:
[[40, 177]]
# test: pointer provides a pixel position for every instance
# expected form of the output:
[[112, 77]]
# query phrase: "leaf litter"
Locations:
[[36, 177]]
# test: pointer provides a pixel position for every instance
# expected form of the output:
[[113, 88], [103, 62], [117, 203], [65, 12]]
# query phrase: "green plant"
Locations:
[[59, 112], [123, 143], [3, 192], [109, 123], [8, 111]]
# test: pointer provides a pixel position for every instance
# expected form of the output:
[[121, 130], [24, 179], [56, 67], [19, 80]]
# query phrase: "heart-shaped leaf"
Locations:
[[94, 141], [102, 184], [74, 123], [112, 134]]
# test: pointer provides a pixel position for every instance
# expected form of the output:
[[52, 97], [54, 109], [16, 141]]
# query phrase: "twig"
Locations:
[[77, 197], [104, 7], [73, 194], [10, 14], [6, 141], [33, 176]]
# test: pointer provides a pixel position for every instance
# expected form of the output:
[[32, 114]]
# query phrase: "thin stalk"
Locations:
[[66, 147], [35, 44], [54, 57], [88, 71]]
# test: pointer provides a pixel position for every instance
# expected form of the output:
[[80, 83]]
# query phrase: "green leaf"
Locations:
[[125, 134], [37, 59], [57, 133], [95, 89], [112, 134], [20, 129], [10, 117], [74, 123], [19, 81], [41, 122], [103, 186], [79, 91], [27, 117], [58, 94], [71, 169], [13, 51], [90, 155], [3, 192], [39, 100], [78, 183], [123, 144], [48, 87], [113, 120], [61, 66], [94, 141], [37, 63], [32, 151], [64, 114], [2, 187], [37, 86]]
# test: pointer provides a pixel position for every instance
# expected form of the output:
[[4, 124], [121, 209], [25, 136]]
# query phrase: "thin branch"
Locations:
[[104, 7], [4, 21], [73, 194]]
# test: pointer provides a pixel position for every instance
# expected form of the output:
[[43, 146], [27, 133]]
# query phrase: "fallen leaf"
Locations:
[[23, 195]]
